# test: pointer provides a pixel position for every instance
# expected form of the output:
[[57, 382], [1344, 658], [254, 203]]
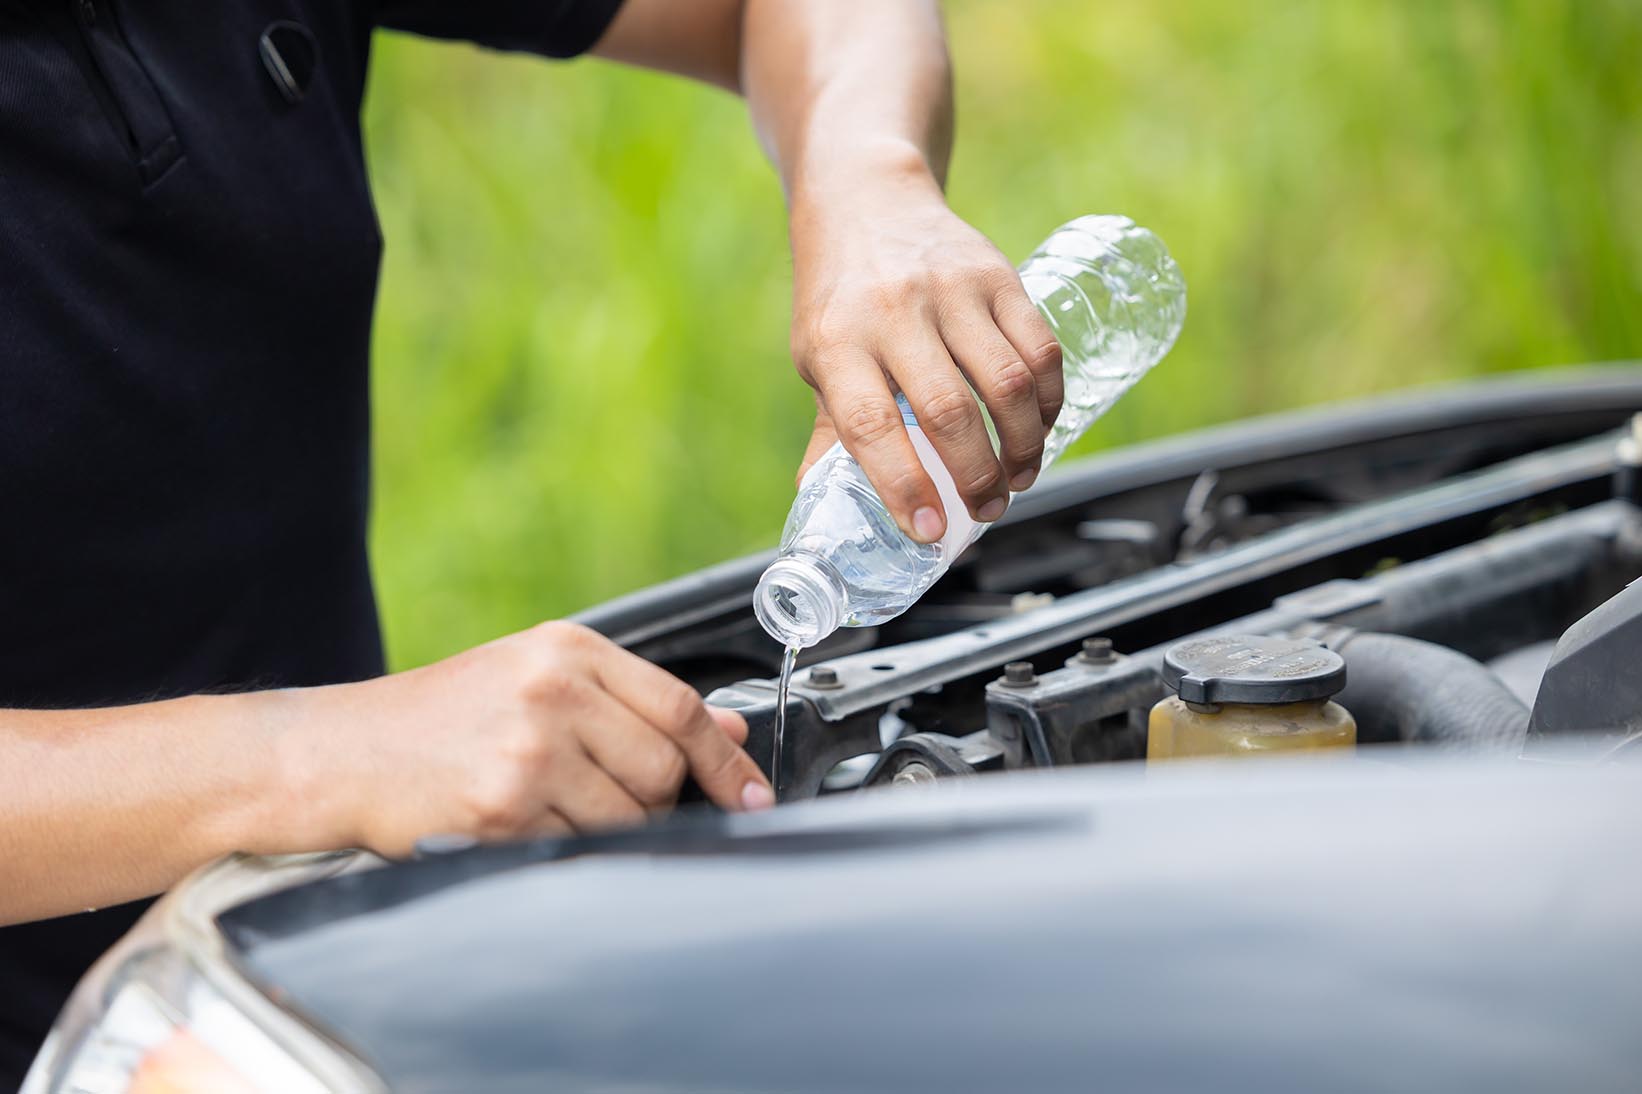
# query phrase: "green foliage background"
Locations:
[[581, 376]]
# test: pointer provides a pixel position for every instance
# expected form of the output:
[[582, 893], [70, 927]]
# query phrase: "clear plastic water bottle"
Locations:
[[1115, 301]]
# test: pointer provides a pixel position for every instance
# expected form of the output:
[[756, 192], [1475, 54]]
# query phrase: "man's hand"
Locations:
[[893, 292], [550, 730]]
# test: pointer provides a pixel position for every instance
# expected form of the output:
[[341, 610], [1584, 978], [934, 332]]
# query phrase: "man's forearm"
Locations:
[[102, 806], [830, 84], [847, 86], [892, 293], [541, 732]]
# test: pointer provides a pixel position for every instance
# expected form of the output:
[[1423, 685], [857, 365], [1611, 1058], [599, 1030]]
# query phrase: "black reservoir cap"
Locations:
[[1252, 668]]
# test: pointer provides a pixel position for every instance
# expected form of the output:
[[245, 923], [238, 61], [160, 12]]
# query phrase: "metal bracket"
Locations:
[[811, 745], [933, 755]]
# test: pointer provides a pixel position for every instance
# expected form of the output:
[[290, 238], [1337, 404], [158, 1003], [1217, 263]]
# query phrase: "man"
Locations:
[[188, 259]]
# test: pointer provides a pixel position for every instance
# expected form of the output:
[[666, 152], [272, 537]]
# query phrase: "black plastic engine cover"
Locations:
[[1593, 686]]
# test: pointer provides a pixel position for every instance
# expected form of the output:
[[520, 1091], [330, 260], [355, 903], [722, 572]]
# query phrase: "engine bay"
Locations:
[[1442, 544]]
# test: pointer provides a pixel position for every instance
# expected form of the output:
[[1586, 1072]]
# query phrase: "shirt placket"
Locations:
[[148, 129]]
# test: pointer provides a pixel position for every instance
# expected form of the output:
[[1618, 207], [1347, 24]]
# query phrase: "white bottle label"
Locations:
[[961, 528]]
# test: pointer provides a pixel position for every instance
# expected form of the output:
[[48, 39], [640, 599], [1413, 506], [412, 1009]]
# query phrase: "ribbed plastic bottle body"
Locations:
[[1115, 301], [841, 544]]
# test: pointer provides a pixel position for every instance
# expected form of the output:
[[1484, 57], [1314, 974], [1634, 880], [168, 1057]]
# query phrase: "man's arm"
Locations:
[[892, 291], [101, 806], [552, 729]]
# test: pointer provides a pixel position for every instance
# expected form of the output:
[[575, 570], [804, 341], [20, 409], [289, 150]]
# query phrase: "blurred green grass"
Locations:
[[581, 377]]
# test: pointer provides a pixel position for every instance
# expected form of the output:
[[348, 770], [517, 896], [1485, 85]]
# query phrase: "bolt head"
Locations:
[[1098, 651], [1019, 674], [823, 677], [913, 774]]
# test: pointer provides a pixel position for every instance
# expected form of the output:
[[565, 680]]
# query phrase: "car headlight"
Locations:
[[166, 1011]]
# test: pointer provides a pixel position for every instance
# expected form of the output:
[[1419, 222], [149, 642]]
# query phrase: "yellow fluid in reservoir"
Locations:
[[1177, 728]]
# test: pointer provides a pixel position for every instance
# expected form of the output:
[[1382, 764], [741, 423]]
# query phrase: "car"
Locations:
[[976, 881]]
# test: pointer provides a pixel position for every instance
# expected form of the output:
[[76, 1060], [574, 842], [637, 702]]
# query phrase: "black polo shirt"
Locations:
[[188, 260]]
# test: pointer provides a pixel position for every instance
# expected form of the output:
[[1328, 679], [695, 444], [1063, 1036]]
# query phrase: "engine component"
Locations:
[[1484, 598], [1592, 686], [1404, 689], [1242, 694], [923, 757], [1521, 669], [1504, 592], [1628, 462]]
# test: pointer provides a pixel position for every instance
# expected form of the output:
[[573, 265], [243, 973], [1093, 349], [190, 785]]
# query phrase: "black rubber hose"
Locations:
[[1403, 689]]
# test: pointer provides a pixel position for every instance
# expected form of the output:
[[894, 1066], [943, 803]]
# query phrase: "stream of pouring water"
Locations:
[[788, 660]]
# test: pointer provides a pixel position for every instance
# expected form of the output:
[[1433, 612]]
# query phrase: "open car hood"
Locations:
[[1440, 924]]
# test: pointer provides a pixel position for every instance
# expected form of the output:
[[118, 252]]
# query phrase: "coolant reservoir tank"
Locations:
[[1247, 693]]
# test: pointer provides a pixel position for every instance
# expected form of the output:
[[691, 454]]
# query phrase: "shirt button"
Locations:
[[87, 11]]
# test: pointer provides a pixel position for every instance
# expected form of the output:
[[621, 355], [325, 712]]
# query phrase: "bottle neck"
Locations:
[[800, 600]]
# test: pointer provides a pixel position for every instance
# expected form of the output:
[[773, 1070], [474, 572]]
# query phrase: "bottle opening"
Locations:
[[798, 602]]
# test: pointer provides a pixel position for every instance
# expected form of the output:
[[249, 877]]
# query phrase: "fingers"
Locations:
[[590, 799], [726, 773], [1005, 384], [952, 420], [549, 822], [868, 421], [730, 722], [1027, 330], [646, 763]]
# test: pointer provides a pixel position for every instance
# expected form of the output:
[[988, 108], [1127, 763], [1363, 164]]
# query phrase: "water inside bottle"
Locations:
[[838, 520], [788, 660]]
